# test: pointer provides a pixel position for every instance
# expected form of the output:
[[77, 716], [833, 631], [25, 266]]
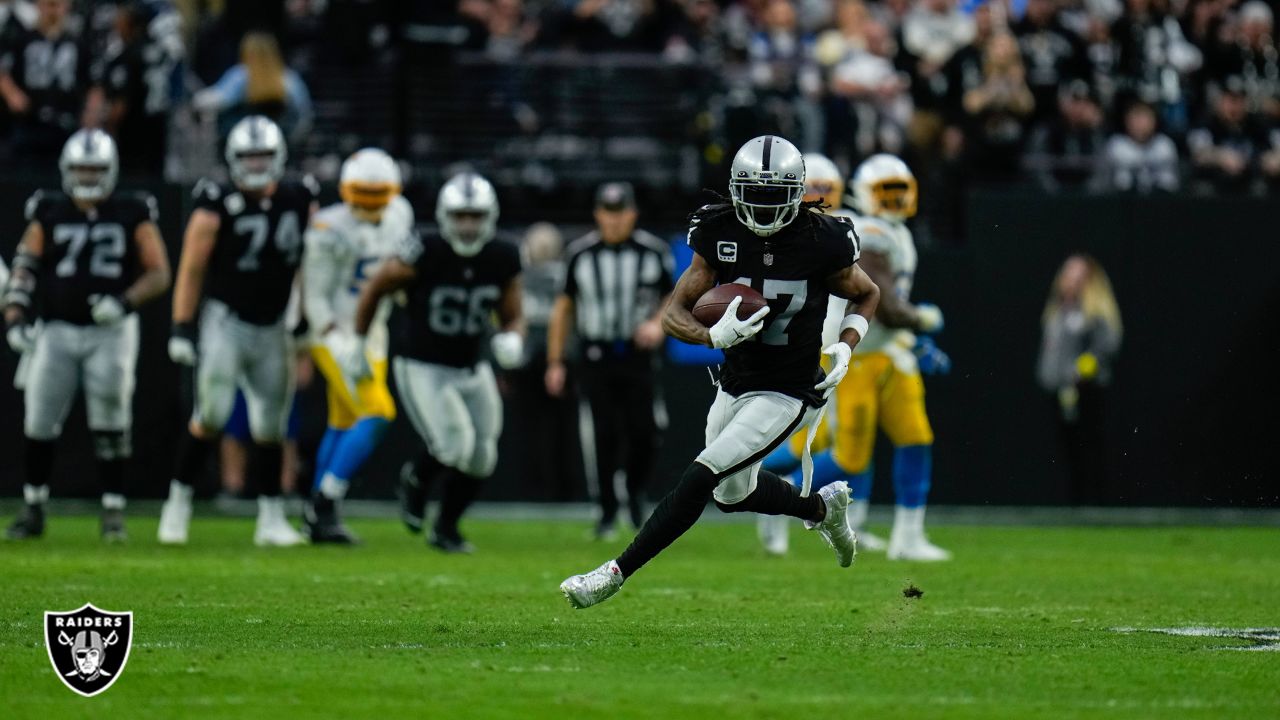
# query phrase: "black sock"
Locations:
[[458, 493], [677, 512], [111, 447], [111, 475], [428, 470], [38, 457], [775, 496], [193, 456], [266, 462]]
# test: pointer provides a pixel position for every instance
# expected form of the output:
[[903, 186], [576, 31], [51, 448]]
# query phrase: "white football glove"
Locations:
[[839, 354], [928, 318], [349, 353], [182, 351], [508, 349], [108, 310], [21, 338], [729, 330]]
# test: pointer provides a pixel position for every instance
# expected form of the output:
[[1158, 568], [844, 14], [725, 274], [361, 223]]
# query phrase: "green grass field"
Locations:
[[1021, 625]]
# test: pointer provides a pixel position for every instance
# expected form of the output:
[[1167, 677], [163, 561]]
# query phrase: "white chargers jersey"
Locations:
[[343, 253], [893, 240]]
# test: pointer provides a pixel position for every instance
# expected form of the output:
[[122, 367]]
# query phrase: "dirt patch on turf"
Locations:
[[912, 592]]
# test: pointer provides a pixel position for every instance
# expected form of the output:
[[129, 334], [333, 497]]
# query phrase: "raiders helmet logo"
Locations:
[[88, 647]]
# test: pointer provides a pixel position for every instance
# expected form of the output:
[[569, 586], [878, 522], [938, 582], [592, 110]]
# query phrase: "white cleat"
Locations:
[[273, 530], [908, 542], [774, 532], [835, 527], [175, 515], [917, 549], [593, 588]]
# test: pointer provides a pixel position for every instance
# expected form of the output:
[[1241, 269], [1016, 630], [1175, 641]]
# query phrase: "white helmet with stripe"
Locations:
[[884, 187], [467, 213], [89, 164], [369, 180], [766, 184]]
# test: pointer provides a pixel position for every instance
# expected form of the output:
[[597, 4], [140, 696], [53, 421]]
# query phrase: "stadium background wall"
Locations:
[[1192, 415]]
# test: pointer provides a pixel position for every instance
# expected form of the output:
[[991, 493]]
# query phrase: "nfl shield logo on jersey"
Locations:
[[88, 647]]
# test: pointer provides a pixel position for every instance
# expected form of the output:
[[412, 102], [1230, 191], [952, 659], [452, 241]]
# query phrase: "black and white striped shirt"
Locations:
[[616, 287]]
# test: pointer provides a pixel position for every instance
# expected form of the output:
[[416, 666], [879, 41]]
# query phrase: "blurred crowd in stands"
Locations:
[[1094, 95]]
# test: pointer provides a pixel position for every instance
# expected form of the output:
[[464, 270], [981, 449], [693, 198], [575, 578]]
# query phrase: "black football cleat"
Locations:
[[113, 526], [450, 543], [413, 498], [29, 524], [324, 527]]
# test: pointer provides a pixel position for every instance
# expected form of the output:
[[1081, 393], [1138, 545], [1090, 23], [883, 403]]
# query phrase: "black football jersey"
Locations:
[[452, 300], [54, 73], [259, 246], [790, 268], [86, 254]]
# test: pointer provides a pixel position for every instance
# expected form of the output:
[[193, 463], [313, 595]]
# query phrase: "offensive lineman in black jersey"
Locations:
[[455, 280], [242, 249], [88, 258], [772, 383]]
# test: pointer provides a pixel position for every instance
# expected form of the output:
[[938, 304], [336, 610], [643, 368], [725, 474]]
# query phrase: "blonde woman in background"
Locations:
[[260, 84], [1081, 337]]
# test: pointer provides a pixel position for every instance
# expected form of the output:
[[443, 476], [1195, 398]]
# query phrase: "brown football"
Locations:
[[711, 306]]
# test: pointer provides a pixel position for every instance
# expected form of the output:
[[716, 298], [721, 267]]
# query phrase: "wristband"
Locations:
[[856, 323], [185, 330]]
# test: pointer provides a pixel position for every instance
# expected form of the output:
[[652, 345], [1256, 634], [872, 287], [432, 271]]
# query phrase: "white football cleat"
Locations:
[[907, 540], [834, 528], [175, 515], [273, 530], [593, 588], [774, 532]]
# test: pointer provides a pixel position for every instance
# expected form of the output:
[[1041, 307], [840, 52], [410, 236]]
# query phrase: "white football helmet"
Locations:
[[822, 180], [256, 153], [884, 187], [766, 184], [89, 165], [369, 180], [467, 213]]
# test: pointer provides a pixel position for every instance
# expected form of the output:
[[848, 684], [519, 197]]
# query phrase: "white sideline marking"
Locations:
[[1263, 639]]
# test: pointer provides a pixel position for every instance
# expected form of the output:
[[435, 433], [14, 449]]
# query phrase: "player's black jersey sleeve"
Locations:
[[258, 247], [86, 256], [452, 301]]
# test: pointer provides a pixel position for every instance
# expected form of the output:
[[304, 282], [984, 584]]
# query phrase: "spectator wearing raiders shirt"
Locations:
[[45, 81], [617, 279]]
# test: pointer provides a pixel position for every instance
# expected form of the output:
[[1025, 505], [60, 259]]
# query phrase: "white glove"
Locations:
[[349, 353], [928, 318], [508, 349], [182, 351], [729, 330], [108, 310], [21, 337], [839, 354]]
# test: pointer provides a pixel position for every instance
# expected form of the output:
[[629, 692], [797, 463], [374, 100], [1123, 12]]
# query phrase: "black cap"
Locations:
[[616, 196]]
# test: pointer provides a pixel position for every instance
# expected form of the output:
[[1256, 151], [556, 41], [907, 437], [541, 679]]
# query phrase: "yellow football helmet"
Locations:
[[370, 179], [884, 187], [822, 180]]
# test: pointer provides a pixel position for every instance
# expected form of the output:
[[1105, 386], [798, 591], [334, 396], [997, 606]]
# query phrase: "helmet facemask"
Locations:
[[895, 198], [468, 230], [254, 170], [766, 206]]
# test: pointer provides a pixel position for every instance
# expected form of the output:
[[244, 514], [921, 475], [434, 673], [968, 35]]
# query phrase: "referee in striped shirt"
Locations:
[[617, 280]]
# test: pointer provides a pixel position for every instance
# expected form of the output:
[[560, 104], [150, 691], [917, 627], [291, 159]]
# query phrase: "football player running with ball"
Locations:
[[88, 258], [772, 384], [456, 280], [241, 251]]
